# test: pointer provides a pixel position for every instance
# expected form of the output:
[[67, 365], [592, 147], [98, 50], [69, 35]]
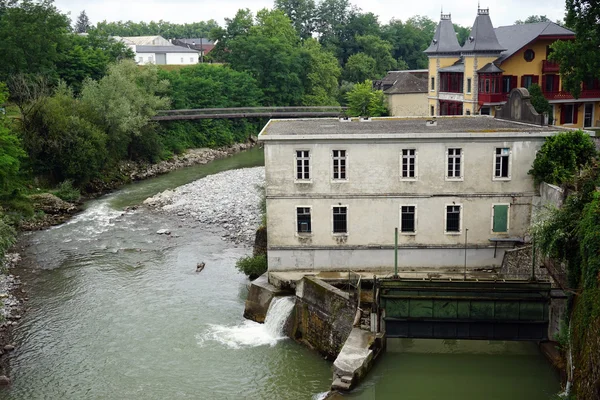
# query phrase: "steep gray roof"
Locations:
[[482, 37], [164, 49], [197, 41], [515, 37], [490, 68], [454, 68], [408, 82], [444, 40]]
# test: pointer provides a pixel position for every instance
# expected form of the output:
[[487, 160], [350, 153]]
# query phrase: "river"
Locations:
[[118, 312]]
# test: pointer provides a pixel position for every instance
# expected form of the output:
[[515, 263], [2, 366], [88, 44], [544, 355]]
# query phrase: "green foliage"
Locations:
[[67, 192], [165, 29], [302, 14], [83, 24], [562, 156], [359, 68], [11, 152], [532, 19], [380, 50], [538, 101], [364, 101], [252, 266], [122, 103], [589, 243], [7, 236], [578, 62], [33, 34], [321, 74]]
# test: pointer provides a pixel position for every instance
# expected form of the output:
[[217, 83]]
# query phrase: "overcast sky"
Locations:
[[502, 12]]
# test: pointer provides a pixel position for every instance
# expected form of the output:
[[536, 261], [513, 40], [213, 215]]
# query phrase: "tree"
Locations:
[[301, 13], [409, 39], [532, 19], [562, 156], [269, 52], [122, 103], [359, 68], [380, 50], [366, 102], [165, 29], [579, 59], [236, 27], [82, 25], [321, 75], [11, 151], [33, 34], [538, 101]]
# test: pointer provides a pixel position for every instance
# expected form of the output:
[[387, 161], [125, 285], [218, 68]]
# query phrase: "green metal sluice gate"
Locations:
[[485, 310]]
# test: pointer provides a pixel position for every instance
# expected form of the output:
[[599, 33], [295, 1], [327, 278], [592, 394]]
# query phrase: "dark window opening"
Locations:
[[340, 222], [408, 163], [407, 222], [502, 160], [339, 164], [529, 55], [452, 218], [303, 218], [302, 164], [454, 158]]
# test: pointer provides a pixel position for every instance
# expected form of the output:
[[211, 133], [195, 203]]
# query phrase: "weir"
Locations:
[[450, 309]]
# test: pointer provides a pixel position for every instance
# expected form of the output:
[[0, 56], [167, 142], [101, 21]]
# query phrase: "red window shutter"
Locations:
[[544, 79], [556, 83], [513, 82], [523, 81], [562, 114], [575, 112], [535, 79]]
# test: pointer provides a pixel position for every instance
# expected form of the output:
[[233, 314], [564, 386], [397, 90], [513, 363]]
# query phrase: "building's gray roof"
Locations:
[[490, 68], [481, 125], [458, 67], [197, 41], [482, 37], [406, 82], [515, 37], [164, 49], [444, 39]]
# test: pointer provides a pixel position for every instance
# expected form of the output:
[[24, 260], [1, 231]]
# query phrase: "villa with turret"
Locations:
[[477, 77]]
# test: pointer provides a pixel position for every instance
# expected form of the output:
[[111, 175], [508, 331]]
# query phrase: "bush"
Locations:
[[252, 266], [7, 237], [67, 192], [562, 156]]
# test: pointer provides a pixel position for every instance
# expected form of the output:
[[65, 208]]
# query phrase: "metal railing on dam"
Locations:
[[465, 309], [250, 112]]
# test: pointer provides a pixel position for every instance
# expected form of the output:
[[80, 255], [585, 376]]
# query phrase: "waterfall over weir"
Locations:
[[250, 333]]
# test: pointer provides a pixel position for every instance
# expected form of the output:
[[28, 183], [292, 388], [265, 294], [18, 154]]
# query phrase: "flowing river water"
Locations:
[[118, 312]]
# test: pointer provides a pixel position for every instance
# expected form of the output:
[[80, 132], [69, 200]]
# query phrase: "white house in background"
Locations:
[[336, 191], [158, 50]]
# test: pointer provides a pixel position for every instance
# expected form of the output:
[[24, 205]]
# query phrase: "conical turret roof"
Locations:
[[444, 40], [482, 37]]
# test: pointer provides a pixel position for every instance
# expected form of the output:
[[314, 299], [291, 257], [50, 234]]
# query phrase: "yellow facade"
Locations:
[[435, 63]]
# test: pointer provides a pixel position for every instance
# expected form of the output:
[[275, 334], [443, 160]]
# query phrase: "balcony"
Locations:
[[487, 98], [549, 67], [585, 94]]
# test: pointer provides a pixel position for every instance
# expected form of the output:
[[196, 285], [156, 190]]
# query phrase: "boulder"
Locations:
[[50, 204]]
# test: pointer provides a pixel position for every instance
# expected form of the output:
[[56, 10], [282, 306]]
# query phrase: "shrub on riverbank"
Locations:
[[252, 266], [67, 192]]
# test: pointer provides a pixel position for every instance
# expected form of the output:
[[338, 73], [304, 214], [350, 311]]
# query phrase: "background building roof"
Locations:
[[164, 49], [444, 39], [398, 82], [515, 37], [482, 37]]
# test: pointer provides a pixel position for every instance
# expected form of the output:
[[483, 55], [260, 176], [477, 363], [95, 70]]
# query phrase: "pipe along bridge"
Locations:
[[249, 112], [471, 309]]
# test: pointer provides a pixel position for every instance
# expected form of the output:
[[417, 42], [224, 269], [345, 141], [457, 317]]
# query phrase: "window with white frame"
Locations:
[[303, 223], [502, 163], [454, 163], [409, 164], [191, 59], [453, 218], [339, 164], [340, 220], [182, 60], [141, 59], [302, 165], [469, 85], [408, 219]]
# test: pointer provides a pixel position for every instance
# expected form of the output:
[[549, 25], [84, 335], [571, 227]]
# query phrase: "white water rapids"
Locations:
[[250, 333]]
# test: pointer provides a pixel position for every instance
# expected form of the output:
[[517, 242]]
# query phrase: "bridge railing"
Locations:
[[229, 110], [249, 112]]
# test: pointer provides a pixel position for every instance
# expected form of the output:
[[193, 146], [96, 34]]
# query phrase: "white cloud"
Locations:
[[502, 12]]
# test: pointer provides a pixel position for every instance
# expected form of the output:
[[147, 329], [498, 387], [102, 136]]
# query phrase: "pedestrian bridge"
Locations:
[[464, 309], [249, 112]]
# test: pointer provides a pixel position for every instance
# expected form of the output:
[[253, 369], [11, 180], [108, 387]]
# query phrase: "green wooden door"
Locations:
[[500, 218]]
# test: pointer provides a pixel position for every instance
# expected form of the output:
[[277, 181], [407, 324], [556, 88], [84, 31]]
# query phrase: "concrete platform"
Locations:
[[354, 361]]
